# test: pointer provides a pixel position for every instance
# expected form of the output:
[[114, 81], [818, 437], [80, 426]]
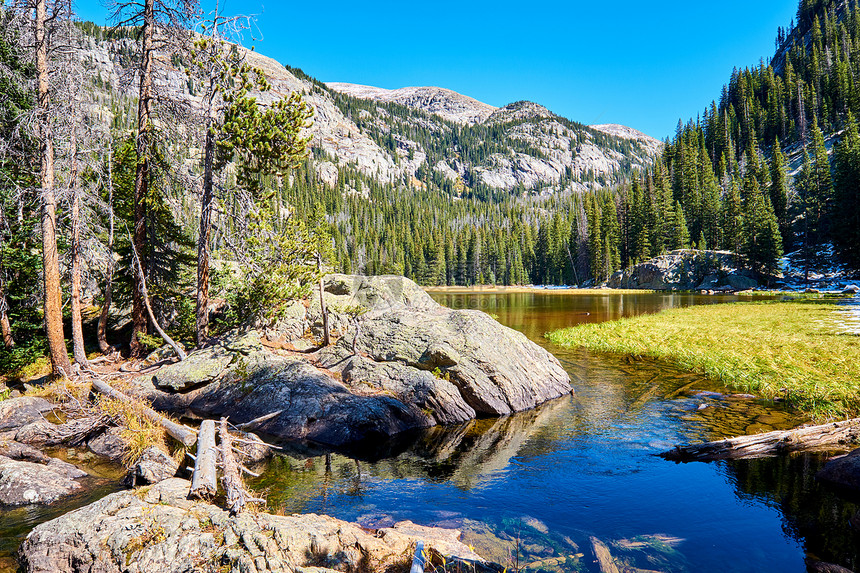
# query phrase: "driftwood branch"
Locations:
[[771, 443], [204, 482], [184, 435]]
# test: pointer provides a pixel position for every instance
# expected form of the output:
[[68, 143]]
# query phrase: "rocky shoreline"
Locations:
[[398, 361]]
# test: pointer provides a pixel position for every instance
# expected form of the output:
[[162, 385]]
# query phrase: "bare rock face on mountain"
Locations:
[[445, 103], [160, 531], [401, 361], [686, 270]]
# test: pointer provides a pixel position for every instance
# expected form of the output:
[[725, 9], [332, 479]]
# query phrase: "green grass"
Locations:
[[791, 350]]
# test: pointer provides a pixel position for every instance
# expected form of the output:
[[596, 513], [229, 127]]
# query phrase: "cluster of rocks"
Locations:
[[687, 270], [400, 361], [158, 530]]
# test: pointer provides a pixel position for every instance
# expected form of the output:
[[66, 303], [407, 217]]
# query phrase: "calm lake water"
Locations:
[[540, 490]]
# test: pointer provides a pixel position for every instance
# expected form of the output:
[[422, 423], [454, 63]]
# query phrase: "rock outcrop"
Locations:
[[26, 483], [401, 361], [17, 412], [158, 530], [686, 270]]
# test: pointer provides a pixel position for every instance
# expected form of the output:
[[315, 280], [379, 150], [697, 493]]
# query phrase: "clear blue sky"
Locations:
[[638, 63]]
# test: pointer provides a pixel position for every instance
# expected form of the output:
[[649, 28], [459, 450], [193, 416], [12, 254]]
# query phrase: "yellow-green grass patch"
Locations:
[[791, 350]]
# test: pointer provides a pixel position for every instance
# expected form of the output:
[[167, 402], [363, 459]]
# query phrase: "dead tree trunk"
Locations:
[[180, 433], [141, 176], [144, 295], [204, 482], [5, 325], [323, 309], [203, 241], [53, 305], [101, 331], [78, 350], [833, 434]]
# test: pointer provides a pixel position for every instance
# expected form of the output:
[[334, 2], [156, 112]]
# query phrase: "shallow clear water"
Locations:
[[540, 490]]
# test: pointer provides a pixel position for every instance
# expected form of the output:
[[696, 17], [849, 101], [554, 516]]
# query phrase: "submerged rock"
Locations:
[[401, 361], [25, 483], [842, 472], [160, 531]]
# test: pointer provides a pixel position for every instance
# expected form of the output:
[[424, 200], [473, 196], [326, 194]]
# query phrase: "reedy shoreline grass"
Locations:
[[790, 350]]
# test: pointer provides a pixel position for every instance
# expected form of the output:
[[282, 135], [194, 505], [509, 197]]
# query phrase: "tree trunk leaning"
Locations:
[[204, 482], [52, 296], [185, 436], [833, 434]]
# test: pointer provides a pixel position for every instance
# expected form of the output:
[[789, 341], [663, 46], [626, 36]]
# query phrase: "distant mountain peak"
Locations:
[[520, 110], [445, 103]]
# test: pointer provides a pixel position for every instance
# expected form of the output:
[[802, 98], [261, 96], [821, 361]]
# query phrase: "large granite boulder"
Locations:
[[160, 531], [26, 483], [401, 361], [686, 270]]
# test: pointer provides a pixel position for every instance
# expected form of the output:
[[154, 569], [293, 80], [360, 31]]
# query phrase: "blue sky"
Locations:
[[642, 64]]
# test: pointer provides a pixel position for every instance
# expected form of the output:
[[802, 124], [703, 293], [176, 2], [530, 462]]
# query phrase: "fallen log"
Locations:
[[182, 434], [237, 496], [833, 434], [204, 482]]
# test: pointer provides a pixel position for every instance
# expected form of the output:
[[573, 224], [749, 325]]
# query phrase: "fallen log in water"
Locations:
[[237, 495], [204, 483], [182, 434], [771, 443]]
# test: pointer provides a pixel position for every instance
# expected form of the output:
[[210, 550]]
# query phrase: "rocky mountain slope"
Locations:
[[412, 136]]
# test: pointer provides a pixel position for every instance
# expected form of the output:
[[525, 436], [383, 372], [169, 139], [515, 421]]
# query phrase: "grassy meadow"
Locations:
[[797, 350]]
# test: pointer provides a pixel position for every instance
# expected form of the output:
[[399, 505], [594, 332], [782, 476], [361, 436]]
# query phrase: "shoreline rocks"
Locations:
[[29, 483], [158, 530], [687, 270], [400, 361]]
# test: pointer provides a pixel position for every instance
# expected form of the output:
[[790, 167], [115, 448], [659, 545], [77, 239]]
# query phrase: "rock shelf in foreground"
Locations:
[[158, 530]]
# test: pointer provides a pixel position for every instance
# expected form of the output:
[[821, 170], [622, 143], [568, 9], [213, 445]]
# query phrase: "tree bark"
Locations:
[[5, 325], [205, 235], [78, 350], [101, 331], [141, 177], [180, 433], [53, 306], [326, 333], [204, 482], [770, 443]]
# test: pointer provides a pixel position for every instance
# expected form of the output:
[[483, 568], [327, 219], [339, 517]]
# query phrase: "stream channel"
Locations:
[[555, 488]]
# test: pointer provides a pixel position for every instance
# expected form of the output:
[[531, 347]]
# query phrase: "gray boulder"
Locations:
[[108, 444], [686, 270], [401, 361], [154, 466], [17, 412], [160, 531], [25, 483]]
